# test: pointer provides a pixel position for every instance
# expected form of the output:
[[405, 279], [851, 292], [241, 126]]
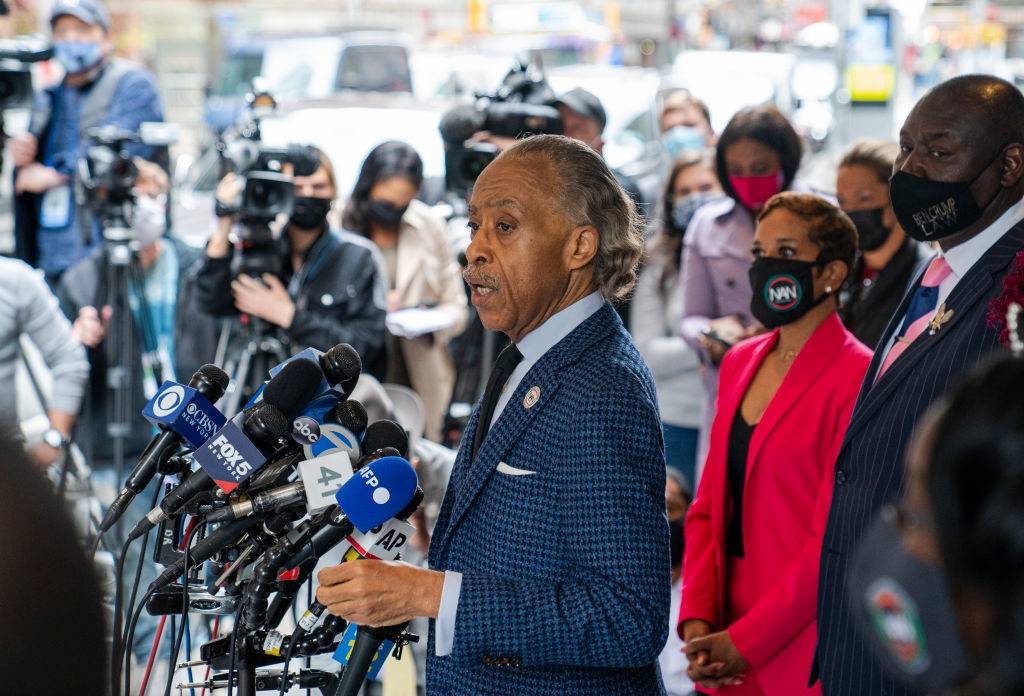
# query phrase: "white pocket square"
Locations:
[[504, 468]]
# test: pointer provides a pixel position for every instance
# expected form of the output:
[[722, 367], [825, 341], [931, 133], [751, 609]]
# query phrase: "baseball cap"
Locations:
[[584, 103], [89, 11]]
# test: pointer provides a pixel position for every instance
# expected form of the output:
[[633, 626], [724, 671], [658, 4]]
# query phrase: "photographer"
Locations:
[[51, 232], [329, 288], [168, 335], [421, 267]]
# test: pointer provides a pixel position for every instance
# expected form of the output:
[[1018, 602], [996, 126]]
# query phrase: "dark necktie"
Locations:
[[503, 368]]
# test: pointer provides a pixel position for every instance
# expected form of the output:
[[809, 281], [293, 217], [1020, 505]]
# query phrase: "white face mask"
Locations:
[[149, 220]]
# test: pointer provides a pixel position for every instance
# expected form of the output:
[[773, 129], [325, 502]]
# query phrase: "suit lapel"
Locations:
[[971, 289], [813, 358], [469, 476]]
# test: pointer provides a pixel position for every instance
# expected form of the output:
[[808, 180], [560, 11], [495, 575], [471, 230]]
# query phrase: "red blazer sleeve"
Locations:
[[791, 603], [700, 584]]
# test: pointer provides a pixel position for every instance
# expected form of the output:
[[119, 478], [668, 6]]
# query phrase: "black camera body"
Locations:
[[107, 175], [267, 192], [16, 55], [521, 107]]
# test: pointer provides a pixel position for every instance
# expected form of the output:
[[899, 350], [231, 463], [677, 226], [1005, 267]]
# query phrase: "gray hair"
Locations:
[[589, 194]]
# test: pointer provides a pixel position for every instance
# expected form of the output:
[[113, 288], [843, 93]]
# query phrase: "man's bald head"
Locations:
[[989, 109]]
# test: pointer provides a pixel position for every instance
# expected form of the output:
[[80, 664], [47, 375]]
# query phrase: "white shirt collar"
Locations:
[[559, 325], [963, 256]]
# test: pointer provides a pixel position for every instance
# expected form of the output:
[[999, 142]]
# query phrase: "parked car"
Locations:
[[728, 81], [299, 67]]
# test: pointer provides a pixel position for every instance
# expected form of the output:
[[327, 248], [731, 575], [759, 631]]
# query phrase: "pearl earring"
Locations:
[[828, 289]]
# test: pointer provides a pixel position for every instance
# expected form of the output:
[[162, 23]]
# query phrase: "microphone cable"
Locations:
[[184, 606], [116, 633]]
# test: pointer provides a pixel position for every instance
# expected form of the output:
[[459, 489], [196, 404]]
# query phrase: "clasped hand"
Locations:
[[714, 659]]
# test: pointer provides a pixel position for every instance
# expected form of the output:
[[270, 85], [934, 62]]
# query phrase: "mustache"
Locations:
[[473, 275]]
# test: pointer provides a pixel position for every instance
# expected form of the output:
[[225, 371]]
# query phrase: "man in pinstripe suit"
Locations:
[[958, 180], [550, 557]]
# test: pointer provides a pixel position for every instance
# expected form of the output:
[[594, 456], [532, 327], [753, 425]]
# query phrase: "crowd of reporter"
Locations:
[[733, 217]]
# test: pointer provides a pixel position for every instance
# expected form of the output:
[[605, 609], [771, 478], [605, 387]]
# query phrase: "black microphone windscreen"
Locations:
[[293, 387], [385, 433], [265, 423], [352, 415], [460, 123], [341, 365], [211, 381]]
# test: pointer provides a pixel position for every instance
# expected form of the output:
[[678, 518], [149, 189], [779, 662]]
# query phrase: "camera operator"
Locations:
[[170, 339], [422, 270], [168, 334], [329, 288], [51, 232], [584, 119]]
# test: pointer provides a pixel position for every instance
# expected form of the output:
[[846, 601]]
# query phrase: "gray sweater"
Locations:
[[27, 306], [654, 323]]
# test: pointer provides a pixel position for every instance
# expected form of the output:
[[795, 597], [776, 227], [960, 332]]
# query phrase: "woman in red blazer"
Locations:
[[753, 533]]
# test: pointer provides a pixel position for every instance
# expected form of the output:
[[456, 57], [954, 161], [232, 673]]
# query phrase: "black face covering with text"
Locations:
[[930, 210], [783, 290]]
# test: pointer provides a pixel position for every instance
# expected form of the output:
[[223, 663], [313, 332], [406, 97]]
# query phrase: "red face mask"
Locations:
[[754, 191]]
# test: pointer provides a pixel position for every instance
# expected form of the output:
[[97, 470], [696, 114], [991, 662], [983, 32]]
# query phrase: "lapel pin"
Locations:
[[942, 315], [531, 398]]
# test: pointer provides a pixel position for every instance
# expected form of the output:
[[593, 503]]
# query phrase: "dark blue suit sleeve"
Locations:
[[611, 611]]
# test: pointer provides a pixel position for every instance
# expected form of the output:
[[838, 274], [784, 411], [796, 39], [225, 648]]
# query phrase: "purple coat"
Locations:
[[716, 260]]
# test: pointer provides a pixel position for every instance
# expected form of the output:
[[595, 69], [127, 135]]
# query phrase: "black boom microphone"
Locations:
[[342, 366], [385, 433], [208, 380]]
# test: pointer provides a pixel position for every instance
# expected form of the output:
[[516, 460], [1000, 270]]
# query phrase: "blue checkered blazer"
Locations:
[[566, 580], [869, 470]]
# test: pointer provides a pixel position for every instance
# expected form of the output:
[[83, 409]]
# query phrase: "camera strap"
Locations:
[[57, 205]]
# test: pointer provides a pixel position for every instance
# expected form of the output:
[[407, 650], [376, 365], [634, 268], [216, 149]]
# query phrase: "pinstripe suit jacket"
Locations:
[[566, 583], [869, 470]]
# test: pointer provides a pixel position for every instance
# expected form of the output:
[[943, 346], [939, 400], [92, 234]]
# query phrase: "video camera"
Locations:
[[107, 174], [521, 106], [16, 55], [267, 191]]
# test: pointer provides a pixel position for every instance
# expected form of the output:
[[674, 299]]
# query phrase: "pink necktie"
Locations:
[[938, 271]]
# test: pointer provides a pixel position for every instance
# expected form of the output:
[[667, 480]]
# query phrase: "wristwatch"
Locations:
[[54, 438]]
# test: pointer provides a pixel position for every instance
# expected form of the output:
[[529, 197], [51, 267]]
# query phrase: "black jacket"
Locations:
[[867, 305], [338, 294], [195, 338]]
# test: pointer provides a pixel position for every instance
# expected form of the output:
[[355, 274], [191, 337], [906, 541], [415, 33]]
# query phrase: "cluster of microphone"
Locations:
[[298, 473]]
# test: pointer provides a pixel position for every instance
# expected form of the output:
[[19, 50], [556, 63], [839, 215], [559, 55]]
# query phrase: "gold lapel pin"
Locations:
[[531, 398], [942, 315]]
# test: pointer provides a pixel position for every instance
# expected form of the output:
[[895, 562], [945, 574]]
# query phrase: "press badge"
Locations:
[[55, 211]]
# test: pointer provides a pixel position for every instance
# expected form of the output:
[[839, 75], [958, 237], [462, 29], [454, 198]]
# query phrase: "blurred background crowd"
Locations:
[[703, 109]]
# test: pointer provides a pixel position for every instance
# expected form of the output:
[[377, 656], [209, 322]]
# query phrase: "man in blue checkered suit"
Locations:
[[550, 558]]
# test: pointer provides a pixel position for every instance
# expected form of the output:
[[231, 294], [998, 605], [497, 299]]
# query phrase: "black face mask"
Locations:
[[871, 233], [384, 214], [904, 609], [310, 213], [783, 290], [677, 542], [930, 210]]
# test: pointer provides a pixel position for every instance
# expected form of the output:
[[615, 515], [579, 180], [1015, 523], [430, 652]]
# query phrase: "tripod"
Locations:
[[122, 276], [247, 358]]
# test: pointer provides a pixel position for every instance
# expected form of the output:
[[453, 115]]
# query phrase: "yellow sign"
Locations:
[[870, 83]]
